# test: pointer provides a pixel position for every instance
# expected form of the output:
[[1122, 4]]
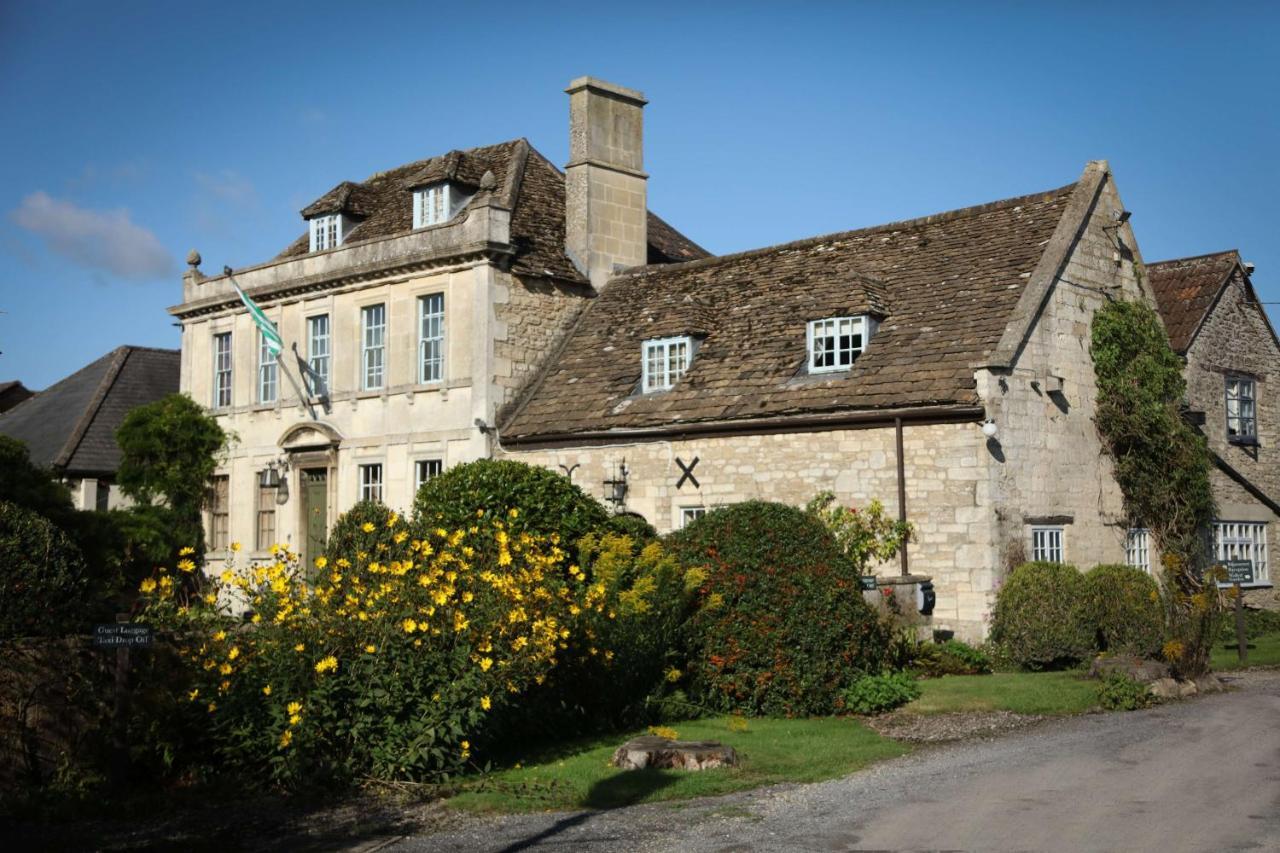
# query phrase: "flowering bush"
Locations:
[[867, 536], [780, 626], [388, 662]]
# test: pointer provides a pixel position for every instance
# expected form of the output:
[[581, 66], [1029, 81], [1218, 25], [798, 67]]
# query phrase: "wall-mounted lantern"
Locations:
[[615, 488], [276, 476]]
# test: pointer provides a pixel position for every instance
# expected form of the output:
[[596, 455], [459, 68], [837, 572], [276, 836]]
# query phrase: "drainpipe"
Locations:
[[902, 495]]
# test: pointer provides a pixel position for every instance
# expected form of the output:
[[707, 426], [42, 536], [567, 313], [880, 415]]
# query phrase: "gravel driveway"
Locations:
[[1198, 775]]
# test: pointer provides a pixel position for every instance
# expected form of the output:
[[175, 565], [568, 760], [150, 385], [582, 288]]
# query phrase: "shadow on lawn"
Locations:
[[621, 789]]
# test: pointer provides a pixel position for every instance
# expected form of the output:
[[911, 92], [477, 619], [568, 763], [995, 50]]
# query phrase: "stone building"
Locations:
[[420, 301], [1217, 325], [70, 427]]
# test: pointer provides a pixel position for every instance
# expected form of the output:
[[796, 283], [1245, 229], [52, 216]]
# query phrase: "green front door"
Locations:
[[315, 508]]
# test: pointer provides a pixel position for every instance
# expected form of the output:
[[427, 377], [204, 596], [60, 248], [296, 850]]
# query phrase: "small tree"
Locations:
[[30, 486], [866, 536], [170, 449]]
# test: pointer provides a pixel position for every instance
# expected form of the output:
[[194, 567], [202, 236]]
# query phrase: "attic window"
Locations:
[[836, 342], [326, 231], [431, 205], [664, 361]]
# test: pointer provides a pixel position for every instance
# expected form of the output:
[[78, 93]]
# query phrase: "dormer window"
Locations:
[[836, 342], [326, 231], [432, 205], [664, 361]]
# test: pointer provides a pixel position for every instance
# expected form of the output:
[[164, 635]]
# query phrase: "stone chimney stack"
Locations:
[[605, 201]]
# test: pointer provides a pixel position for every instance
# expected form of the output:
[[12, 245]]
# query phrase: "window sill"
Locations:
[[371, 393], [1243, 440], [1248, 586]]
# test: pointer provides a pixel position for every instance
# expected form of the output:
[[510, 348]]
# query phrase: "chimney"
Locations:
[[606, 209]]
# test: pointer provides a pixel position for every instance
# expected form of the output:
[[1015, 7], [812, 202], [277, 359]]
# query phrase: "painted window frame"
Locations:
[[220, 512], [373, 356], [829, 328], [268, 372], [431, 331], [325, 231], [432, 204], [317, 359], [223, 369], [265, 512], [1250, 536], [426, 469], [657, 372], [689, 514], [370, 487], [1245, 425], [1137, 548], [1048, 543]]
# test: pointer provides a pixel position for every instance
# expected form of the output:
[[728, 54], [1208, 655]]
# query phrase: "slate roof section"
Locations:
[[945, 284], [1186, 290], [12, 393], [71, 425], [528, 184]]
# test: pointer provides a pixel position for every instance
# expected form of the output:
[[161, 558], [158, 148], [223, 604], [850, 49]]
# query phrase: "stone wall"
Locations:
[[1235, 339], [533, 316]]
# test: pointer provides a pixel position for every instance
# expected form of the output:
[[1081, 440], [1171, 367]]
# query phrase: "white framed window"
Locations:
[[220, 512], [431, 338], [267, 372], [222, 370], [1242, 417], [266, 533], [326, 231], [835, 343], [1137, 548], [1243, 540], [424, 470], [1046, 543], [690, 513], [664, 361], [431, 205], [373, 336], [371, 482], [318, 352]]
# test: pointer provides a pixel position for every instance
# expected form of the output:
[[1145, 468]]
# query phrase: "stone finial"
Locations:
[[488, 181], [193, 259]]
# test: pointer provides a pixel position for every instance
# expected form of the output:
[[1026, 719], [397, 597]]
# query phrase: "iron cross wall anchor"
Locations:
[[688, 472]]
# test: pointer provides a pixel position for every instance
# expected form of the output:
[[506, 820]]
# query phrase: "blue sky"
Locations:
[[135, 132]]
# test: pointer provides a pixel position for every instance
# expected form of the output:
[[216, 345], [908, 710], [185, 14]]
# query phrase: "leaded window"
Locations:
[[836, 342], [1137, 551], [1243, 540], [664, 361], [1242, 420]]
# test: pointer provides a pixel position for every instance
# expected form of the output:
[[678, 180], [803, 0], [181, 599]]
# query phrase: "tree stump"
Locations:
[[665, 754]]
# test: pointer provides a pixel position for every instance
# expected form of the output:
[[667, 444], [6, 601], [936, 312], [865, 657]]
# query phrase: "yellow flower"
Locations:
[[514, 513], [301, 647], [235, 546], [295, 719], [211, 598], [225, 669], [321, 562], [213, 706], [147, 586], [186, 565], [371, 648], [293, 708], [220, 636], [485, 703], [234, 653], [485, 663], [328, 664], [459, 622], [393, 520], [367, 527], [409, 626], [286, 739], [266, 691], [193, 695], [187, 551], [466, 744]]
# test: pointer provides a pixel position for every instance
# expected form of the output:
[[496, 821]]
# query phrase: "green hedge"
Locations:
[[1123, 608], [780, 625], [1040, 619], [45, 588]]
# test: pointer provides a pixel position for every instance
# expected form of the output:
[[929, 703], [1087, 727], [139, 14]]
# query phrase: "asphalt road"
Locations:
[[1190, 776]]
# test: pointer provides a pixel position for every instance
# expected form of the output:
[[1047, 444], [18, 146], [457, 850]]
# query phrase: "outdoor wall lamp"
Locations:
[[989, 428], [270, 478], [615, 488]]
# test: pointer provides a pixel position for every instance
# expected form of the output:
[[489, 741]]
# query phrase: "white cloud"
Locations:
[[106, 240], [229, 186]]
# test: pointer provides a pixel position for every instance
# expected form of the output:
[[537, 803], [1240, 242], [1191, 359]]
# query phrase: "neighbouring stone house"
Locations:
[[1217, 325], [70, 427], [483, 303]]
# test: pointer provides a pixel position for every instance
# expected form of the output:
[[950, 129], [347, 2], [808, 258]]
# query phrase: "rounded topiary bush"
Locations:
[[632, 525], [1040, 619], [780, 626], [45, 588], [1123, 609], [368, 528], [545, 502]]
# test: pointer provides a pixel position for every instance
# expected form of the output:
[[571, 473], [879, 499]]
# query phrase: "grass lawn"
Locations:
[[1265, 651], [1020, 692], [769, 751]]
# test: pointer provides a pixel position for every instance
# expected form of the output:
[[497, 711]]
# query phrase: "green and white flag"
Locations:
[[268, 329]]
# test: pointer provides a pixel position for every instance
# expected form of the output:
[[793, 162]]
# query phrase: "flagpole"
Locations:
[[271, 337]]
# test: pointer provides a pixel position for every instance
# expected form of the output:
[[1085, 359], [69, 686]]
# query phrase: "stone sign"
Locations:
[[116, 634]]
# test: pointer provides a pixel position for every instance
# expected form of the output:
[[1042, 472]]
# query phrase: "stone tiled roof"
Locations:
[[1186, 289], [72, 424], [945, 286], [526, 182]]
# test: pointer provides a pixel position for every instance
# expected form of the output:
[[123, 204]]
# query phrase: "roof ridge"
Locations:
[[899, 225], [423, 161], [1190, 258], [120, 355]]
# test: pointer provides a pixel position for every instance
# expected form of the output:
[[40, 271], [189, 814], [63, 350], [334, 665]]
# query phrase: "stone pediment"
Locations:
[[309, 436]]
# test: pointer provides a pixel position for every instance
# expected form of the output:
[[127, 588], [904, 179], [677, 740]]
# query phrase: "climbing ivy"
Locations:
[[1162, 464]]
